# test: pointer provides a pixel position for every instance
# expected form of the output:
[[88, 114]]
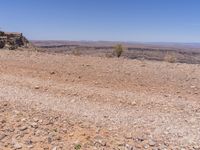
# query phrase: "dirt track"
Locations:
[[118, 103]]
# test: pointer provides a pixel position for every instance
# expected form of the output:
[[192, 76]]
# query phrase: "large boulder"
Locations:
[[2, 33], [2, 39], [12, 40], [2, 44]]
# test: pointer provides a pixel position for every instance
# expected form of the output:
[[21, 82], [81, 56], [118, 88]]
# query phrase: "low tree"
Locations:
[[118, 50]]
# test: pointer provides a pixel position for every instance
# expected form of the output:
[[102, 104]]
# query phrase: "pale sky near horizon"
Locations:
[[112, 20]]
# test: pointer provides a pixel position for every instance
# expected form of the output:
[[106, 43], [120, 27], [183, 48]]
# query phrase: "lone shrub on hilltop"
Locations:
[[171, 58], [118, 50]]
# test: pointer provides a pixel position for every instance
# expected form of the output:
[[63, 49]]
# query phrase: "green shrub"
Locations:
[[118, 50], [77, 147]]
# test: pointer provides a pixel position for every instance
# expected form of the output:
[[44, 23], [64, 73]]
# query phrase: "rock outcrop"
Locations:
[[12, 40]]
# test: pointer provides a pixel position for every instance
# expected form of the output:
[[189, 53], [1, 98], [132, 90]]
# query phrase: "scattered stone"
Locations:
[[37, 87], [5, 104], [2, 121], [35, 119], [100, 141], [30, 146], [128, 147], [16, 145], [37, 133], [129, 136], [23, 119], [55, 148], [49, 140], [52, 73], [133, 103], [23, 128], [146, 146], [2, 136], [28, 142], [192, 87], [140, 138], [152, 143], [11, 130], [64, 130], [16, 112], [34, 125], [196, 147], [40, 121]]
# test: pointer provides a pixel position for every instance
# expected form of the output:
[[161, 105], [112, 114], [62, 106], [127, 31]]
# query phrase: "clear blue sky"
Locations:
[[114, 20]]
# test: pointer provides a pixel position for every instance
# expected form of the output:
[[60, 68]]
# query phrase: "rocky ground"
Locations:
[[58, 101]]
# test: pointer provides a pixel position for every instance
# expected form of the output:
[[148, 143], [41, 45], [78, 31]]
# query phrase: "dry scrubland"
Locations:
[[177, 53], [59, 101]]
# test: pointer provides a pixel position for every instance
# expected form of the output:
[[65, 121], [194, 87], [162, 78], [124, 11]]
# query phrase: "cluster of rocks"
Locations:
[[11, 40], [27, 127]]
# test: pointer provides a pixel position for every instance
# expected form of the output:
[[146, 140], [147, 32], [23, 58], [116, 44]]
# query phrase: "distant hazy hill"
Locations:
[[170, 46]]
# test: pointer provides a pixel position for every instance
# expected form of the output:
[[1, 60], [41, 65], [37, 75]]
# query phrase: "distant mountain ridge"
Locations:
[[192, 47]]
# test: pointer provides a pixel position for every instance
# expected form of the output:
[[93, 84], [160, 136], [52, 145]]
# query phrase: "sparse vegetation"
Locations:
[[77, 147], [171, 58], [118, 50]]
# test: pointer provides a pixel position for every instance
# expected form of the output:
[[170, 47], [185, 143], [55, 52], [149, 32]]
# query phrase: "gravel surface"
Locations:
[[57, 101]]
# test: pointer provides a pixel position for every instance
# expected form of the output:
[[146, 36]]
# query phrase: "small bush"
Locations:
[[171, 58], [77, 147], [118, 50]]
